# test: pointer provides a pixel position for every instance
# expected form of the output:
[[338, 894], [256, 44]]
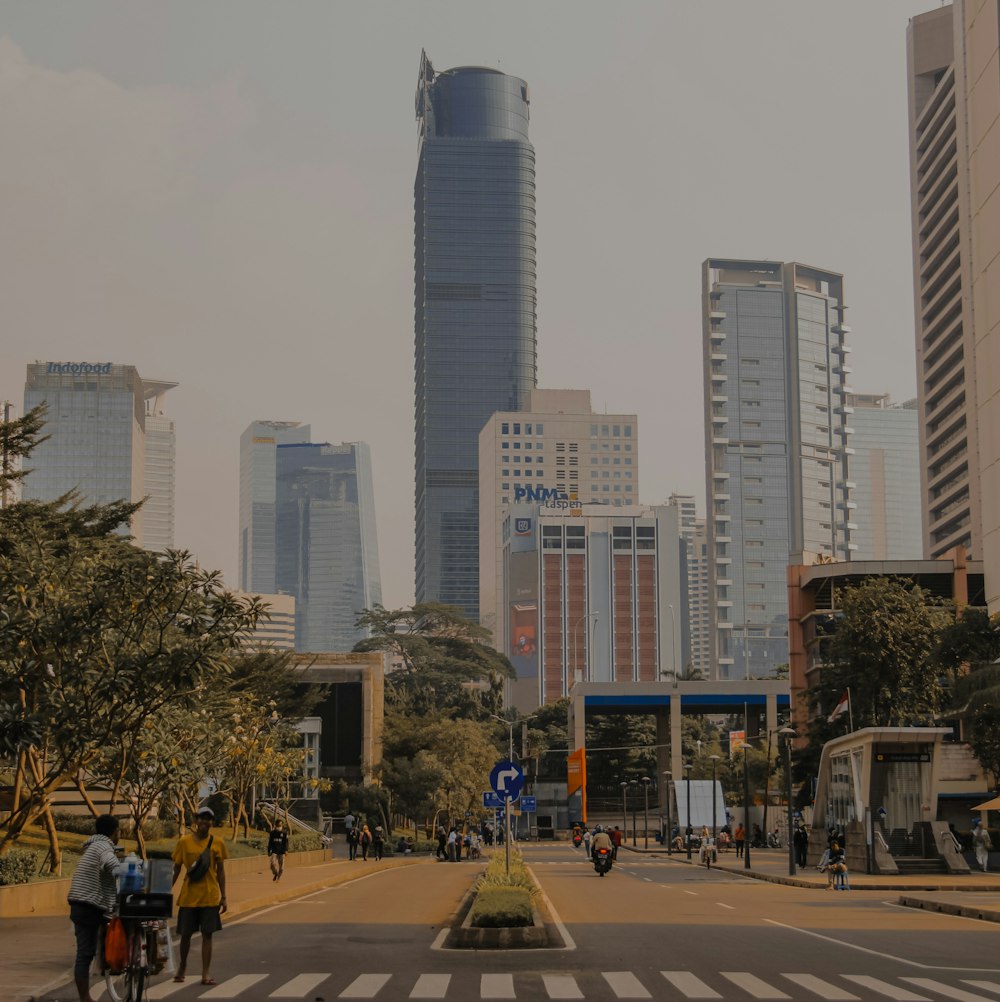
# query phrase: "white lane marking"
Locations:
[[987, 986], [165, 989], [568, 941], [365, 986], [439, 939], [232, 987], [431, 986], [692, 893], [821, 988], [625, 985], [884, 988], [561, 986], [690, 986], [753, 985], [299, 987], [939, 986], [722, 904], [497, 986]]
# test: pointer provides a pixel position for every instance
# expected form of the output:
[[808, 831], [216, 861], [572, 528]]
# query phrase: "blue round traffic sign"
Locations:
[[507, 779]]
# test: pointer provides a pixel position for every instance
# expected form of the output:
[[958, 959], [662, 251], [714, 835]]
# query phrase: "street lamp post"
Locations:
[[687, 783], [633, 783], [645, 811], [746, 805], [624, 787], [715, 762], [670, 830], [788, 733]]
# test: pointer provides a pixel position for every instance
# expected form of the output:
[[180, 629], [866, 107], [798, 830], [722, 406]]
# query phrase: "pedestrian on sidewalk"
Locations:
[[801, 842], [277, 846], [378, 842], [365, 841], [739, 838], [92, 897], [616, 841], [442, 843], [202, 899], [982, 843], [352, 842]]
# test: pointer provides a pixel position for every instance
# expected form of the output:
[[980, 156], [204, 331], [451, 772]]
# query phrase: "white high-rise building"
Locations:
[[556, 447], [159, 475], [694, 623]]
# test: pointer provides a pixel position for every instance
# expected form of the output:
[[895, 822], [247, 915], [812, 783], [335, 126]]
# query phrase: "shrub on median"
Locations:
[[501, 907], [18, 866]]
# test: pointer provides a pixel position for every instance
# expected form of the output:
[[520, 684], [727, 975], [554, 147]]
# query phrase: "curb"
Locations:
[[948, 908]]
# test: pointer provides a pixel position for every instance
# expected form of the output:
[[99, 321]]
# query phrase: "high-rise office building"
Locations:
[[326, 547], [954, 124], [258, 500], [474, 300], [885, 469], [557, 445], [776, 446], [695, 627], [100, 444], [159, 475]]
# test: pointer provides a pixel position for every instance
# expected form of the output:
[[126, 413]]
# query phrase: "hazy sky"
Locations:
[[222, 195]]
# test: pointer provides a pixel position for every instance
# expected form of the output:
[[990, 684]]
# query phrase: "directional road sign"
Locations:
[[507, 779], [529, 804], [492, 800]]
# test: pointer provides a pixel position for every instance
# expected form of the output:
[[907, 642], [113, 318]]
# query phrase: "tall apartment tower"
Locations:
[[556, 446], [159, 475], [97, 446], [326, 547], [695, 626], [885, 469], [776, 446], [954, 124], [474, 305], [258, 500]]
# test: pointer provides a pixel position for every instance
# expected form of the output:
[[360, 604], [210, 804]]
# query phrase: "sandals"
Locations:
[[208, 981]]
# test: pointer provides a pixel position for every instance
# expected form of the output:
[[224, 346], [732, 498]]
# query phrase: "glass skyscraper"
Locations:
[[326, 548], [777, 452], [474, 304], [103, 443]]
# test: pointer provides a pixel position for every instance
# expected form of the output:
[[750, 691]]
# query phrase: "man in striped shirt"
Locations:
[[92, 896]]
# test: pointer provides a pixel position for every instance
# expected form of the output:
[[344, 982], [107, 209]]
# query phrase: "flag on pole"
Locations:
[[842, 707]]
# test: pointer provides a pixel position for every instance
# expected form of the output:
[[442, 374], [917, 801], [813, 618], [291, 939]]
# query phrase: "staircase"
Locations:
[[915, 865]]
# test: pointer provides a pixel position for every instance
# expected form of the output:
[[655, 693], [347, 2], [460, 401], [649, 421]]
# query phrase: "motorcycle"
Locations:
[[602, 860], [577, 839]]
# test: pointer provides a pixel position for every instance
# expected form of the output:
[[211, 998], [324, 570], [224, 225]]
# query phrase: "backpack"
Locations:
[[200, 867]]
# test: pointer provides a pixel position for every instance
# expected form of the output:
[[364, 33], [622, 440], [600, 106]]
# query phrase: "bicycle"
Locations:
[[143, 926]]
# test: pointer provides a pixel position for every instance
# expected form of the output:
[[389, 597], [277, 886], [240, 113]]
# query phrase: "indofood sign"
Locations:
[[79, 368], [550, 499]]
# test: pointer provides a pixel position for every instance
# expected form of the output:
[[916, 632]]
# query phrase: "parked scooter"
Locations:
[[602, 860]]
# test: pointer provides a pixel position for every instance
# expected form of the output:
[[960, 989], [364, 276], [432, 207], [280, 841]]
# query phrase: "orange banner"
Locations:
[[576, 776]]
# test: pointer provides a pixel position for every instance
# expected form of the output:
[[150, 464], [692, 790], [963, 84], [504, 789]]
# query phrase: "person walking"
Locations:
[[349, 820], [982, 843], [365, 841], [452, 842], [93, 896], [378, 842], [352, 842], [616, 841], [277, 846], [801, 842], [202, 899], [442, 844], [739, 840], [586, 842]]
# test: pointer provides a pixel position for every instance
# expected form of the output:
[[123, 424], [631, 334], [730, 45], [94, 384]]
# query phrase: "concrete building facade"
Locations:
[[696, 634], [557, 443], [777, 446], [160, 470]]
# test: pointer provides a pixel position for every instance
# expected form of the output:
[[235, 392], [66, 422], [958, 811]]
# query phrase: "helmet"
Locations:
[[597, 829]]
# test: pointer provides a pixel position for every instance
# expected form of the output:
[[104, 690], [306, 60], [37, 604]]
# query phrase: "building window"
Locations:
[[616, 430], [505, 445], [604, 429], [517, 429], [593, 431], [539, 429], [628, 432], [527, 429], [505, 428]]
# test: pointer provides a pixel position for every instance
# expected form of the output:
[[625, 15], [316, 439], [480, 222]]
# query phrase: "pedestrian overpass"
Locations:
[[757, 702]]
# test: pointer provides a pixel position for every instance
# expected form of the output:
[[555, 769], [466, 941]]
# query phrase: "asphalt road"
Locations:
[[652, 929]]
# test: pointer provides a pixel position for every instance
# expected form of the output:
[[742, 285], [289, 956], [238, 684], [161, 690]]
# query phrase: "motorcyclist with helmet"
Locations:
[[601, 840]]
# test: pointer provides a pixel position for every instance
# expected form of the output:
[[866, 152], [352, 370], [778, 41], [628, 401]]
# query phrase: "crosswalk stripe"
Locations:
[[626, 985], [987, 986], [232, 987], [365, 986], [753, 985], [939, 986], [690, 986], [431, 986], [821, 988], [561, 986], [163, 990], [497, 986], [299, 987], [884, 988]]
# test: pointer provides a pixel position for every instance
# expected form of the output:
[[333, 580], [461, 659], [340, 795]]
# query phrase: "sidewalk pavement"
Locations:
[[973, 895], [38, 951]]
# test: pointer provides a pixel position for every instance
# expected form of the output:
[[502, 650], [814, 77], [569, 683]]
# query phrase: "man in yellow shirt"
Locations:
[[203, 894]]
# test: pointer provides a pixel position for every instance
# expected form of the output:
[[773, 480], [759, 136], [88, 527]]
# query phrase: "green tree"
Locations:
[[984, 738], [443, 660], [883, 652], [17, 440]]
